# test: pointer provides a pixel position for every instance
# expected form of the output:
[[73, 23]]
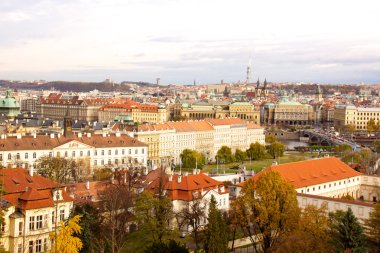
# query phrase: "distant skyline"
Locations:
[[181, 41]]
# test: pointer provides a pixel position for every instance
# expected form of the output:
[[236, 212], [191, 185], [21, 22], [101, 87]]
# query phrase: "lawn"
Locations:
[[256, 165]]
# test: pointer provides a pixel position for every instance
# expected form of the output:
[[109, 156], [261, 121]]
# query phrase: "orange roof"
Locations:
[[251, 125], [26, 192], [312, 172], [227, 121], [188, 185]]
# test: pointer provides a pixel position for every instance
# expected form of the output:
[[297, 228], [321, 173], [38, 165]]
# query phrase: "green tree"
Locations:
[[216, 240], [256, 151], [371, 126], [191, 159], [268, 209], [276, 149], [154, 215], [376, 145], [240, 155], [342, 148], [65, 241], [270, 139], [224, 154], [347, 233], [171, 247], [372, 225]]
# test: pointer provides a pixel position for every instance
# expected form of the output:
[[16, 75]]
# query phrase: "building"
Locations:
[[141, 113], [288, 113], [358, 117], [9, 106], [216, 110], [205, 136], [35, 206], [183, 190], [325, 181], [55, 106], [29, 104]]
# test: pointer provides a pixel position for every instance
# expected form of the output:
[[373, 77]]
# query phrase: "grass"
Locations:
[[256, 165]]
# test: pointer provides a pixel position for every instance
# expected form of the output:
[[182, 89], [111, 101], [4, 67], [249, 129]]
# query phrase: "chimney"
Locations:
[[52, 136], [104, 134], [179, 179], [34, 135], [170, 177], [274, 163], [88, 135], [59, 135], [88, 185], [118, 134], [31, 171], [19, 136], [79, 135]]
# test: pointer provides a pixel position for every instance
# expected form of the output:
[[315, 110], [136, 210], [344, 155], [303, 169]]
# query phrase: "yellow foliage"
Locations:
[[65, 241]]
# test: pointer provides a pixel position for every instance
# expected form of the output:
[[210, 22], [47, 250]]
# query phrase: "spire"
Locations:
[[257, 83], [265, 83]]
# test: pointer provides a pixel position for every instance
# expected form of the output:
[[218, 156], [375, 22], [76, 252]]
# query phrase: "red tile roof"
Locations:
[[29, 192], [312, 172], [185, 189]]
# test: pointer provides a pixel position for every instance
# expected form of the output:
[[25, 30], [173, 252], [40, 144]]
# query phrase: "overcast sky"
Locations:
[[328, 41]]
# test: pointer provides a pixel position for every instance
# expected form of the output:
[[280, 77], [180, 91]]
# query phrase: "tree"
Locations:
[[372, 225], [117, 200], [191, 159], [270, 139], [256, 151], [216, 240], [268, 209], [240, 155], [62, 170], [364, 156], [342, 148], [346, 232], [376, 145], [192, 215], [276, 149], [65, 241], [171, 247], [350, 128], [311, 233], [371, 126], [224, 154], [153, 216]]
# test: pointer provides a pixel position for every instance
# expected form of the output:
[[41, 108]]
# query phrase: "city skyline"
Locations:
[[183, 41]]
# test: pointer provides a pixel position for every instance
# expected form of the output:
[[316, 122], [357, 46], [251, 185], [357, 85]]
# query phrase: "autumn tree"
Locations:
[[372, 225], [240, 155], [364, 156], [372, 126], [62, 170], [268, 209], [216, 239], [342, 148], [347, 233], [311, 233], [171, 247], [270, 139], [65, 241], [276, 149], [192, 216], [191, 159], [256, 151], [224, 154], [350, 128]]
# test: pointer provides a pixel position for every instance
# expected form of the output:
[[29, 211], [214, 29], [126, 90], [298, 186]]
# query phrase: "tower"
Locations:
[[249, 72], [67, 125], [318, 94], [264, 90], [158, 86], [258, 91]]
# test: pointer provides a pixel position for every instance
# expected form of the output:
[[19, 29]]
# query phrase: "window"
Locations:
[[109, 162], [45, 221], [9, 156], [81, 153], [123, 151], [38, 246], [102, 162], [50, 154], [129, 151], [66, 154], [88, 153], [96, 152], [136, 151], [142, 151], [95, 162], [58, 154], [19, 248], [20, 227], [62, 215], [116, 151], [45, 245], [31, 246], [102, 152], [39, 222], [1, 157], [18, 156], [31, 223], [52, 217], [73, 154], [34, 155]]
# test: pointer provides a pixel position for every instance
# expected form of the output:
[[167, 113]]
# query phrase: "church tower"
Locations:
[[67, 125], [318, 94]]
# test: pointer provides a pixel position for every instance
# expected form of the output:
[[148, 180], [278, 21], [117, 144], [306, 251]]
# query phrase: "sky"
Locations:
[[179, 41]]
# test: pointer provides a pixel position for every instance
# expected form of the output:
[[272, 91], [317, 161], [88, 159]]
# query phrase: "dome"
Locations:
[[9, 101]]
